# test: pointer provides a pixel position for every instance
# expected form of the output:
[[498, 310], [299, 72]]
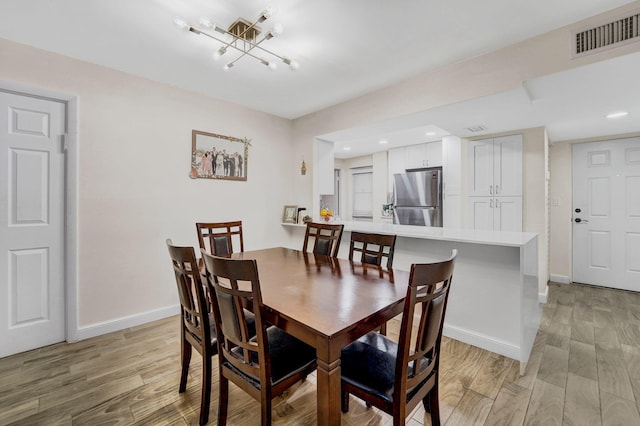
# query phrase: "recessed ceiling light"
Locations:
[[382, 142], [617, 114], [347, 148], [430, 133]]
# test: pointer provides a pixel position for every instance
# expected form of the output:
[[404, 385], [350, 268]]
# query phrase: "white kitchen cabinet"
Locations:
[[495, 213], [495, 183], [416, 156], [434, 154], [424, 155], [495, 166], [396, 159], [452, 181]]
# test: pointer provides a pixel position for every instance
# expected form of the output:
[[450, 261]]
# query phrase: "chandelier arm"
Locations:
[[243, 51]]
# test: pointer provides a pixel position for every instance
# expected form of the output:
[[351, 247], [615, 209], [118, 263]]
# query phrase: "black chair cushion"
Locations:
[[322, 246], [288, 356], [369, 363], [251, 325]]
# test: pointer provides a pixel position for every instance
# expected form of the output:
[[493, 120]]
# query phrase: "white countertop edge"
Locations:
[[497, 238]]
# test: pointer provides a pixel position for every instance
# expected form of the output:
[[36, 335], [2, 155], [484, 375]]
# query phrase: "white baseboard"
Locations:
[[543, 297], [482, 341], [118, 324], [562, 279]]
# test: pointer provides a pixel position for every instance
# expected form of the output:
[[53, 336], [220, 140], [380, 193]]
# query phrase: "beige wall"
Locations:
[[133, 184]]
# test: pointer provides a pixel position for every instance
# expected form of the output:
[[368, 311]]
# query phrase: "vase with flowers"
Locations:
[[326, 214]]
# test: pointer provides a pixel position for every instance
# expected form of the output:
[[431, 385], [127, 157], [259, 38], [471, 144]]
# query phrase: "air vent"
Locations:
[[607, 35], [476, 129]]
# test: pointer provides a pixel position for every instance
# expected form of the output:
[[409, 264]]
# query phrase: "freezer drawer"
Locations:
[[420, 216]]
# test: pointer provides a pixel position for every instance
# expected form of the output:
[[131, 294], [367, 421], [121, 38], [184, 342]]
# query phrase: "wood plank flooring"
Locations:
[[584, 370]]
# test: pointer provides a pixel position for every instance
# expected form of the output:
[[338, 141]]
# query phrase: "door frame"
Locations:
[[70, 193], [609, 138]]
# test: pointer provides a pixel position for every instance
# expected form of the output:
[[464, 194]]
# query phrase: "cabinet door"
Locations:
[[507, 177], [433, 153], [481, 213], [507, 214], [452, 211], [397, 163], [416, 156], [481, 168], [452, 164]]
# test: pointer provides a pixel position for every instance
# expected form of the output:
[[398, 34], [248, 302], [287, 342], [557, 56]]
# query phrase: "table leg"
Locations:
[[328, 392]]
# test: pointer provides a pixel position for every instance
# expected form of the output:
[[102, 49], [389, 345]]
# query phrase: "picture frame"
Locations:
[[218, 157], [290, 214]]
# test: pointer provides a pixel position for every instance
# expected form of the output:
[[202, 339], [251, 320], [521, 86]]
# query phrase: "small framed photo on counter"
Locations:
[[290, 214]]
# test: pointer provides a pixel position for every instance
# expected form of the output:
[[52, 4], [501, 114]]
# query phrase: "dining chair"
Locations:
[[264, 366], [372, 248], [393, 376], [326, 238], [196, 323], [220, 236]]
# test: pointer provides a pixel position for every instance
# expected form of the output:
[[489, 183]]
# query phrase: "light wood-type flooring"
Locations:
[[584, 370]]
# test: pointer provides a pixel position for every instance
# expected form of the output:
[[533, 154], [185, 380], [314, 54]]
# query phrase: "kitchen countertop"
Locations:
[[498, 238]]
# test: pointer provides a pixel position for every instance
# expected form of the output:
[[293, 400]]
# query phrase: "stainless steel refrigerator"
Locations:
[[418, 197]]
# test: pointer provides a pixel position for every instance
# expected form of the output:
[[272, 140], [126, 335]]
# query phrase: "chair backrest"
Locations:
[[220, 236], [373, 247], [326, 238], [235, 287], [429, 291], [194, 303]]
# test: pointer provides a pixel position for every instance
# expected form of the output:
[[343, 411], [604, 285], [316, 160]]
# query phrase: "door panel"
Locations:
[[481, 212], [480, 168], [31, 224], [508, 165], [606, 213], [508, 214]]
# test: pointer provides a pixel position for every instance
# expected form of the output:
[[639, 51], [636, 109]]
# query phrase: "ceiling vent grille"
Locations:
[[476, 128], [611, 34]]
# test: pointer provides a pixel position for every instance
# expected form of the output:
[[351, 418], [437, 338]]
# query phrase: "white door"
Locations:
[[31, 223], [606, 213]]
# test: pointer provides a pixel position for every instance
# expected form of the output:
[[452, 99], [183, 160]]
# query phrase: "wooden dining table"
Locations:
[[327, 303]]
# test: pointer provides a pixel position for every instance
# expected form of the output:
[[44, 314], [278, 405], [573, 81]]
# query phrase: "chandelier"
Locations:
[[242, 37]]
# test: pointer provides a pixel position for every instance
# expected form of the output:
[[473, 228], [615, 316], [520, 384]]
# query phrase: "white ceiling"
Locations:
[[345, 49]]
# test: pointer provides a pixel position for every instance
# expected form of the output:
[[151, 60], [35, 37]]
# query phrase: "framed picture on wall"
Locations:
[[290, 214], [218, 157]]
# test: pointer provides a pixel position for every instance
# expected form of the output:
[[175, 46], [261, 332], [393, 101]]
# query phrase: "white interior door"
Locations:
[[31, 223], [606, 213]]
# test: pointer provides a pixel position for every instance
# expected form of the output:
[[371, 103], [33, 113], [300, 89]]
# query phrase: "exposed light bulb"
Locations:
[[206, 22], [228, 66], [292, 64], [273, 65], [617, 114], [219, 52], [180, 23], [277, 29], [267, 13]]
